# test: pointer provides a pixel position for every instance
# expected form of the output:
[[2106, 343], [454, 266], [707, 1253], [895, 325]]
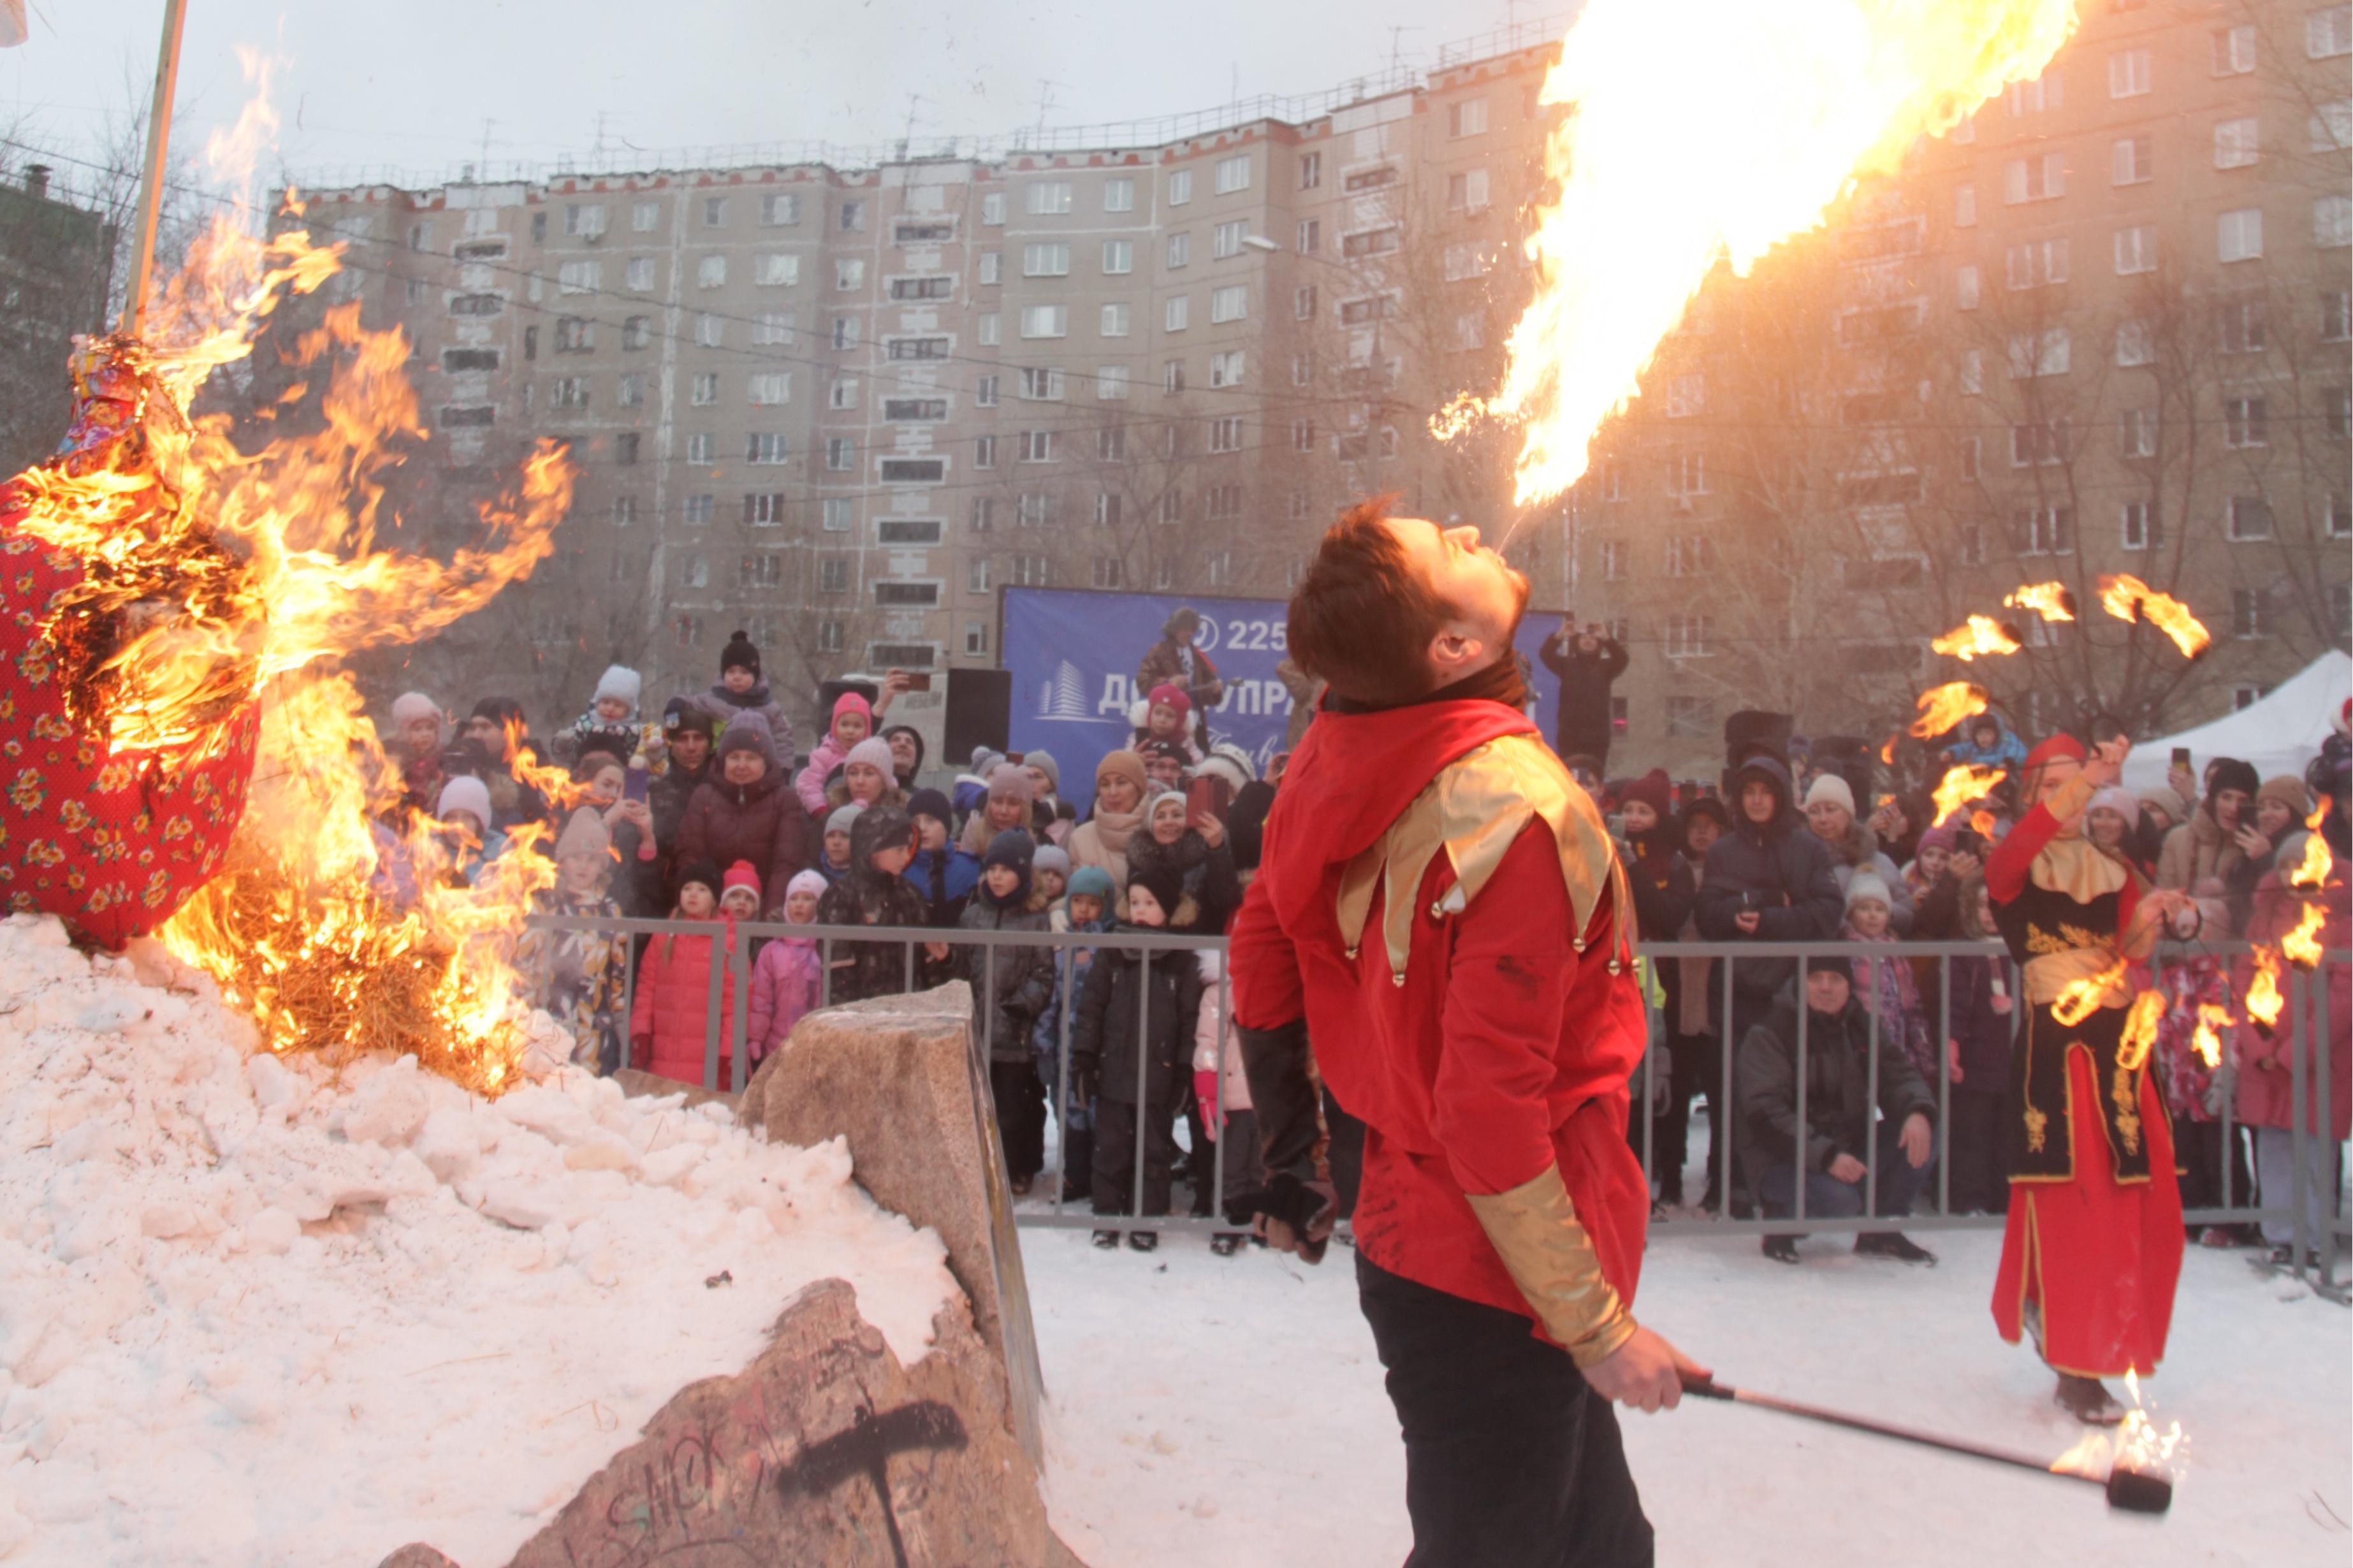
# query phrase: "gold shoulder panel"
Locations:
[[1474, 810]]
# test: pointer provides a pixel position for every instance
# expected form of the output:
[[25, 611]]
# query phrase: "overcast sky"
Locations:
[[410, 82]]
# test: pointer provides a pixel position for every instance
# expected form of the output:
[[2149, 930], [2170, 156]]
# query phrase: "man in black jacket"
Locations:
[[1768, 880], [1586, 662], [1836, 1138]]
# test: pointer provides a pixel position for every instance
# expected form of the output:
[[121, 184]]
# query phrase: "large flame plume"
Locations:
[[215, 575], [1963, 783], [2051, 601], [2128, 598], [1714, 130]]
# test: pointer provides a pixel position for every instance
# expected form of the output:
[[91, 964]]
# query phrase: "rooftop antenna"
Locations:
[[1397, 47], [914, 100], [485, 165], [1045, 101]]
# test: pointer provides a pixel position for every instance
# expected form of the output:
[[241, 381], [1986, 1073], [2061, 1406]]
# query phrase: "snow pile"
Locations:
[[253, 1311]]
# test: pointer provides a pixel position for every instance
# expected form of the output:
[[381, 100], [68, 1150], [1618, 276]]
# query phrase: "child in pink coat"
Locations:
[[789, 977], [853, 720]]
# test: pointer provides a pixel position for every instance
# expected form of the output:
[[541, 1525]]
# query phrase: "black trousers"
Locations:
[[1020, 1098], [1115, 1123], [1980, 1182], [1510, 1459]]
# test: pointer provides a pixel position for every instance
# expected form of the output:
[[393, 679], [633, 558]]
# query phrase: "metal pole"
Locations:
[[1945, 1085], [1805, 1132], [150, 182], [2299, 1099], [739, 958], [1066, 992], [1870, 1099], [717, 967], [1143, 1063], [1218, 1095], [1721, 1133]]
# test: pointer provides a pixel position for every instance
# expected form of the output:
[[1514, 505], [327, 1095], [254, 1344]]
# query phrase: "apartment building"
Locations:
[[56, 262], [844, 408]]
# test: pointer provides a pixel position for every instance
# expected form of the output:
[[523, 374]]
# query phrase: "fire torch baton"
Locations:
[[2132, 1491]]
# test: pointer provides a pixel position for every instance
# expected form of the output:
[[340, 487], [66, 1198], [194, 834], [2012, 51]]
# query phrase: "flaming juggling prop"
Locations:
[[2128, 598], [1963, 783], [1943, 707], [1977, 637], [2051, 601], [1798, 100], [181, 750]]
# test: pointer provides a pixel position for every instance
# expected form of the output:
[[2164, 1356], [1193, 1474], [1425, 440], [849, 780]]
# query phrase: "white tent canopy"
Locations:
[[2278, 734]]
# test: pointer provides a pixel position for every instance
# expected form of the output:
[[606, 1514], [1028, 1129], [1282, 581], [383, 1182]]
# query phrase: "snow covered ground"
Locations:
[[1230, 1410]]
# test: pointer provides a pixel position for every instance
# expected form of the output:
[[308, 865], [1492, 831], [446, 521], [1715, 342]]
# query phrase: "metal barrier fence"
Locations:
[[2317, 1188]]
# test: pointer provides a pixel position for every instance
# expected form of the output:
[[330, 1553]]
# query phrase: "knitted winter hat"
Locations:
[[878, 827], [702, 873], [1009, 782], [1165, 883], [741, 875], [2164, 798], [739, 654], [874, 751], [2229, 772], [1168, 800], [465, 793], [1011, 847], [1091, 882], [1653, 789], [986, 762], [619, 680], [1222, 764], [1710, 807], [748, 731], [585, 835], [1943, 839], [1045, 763], [809, 882], [1832, 788], [2120, 800], [1841, 967], [843, 819], [1867, 885], [1051, 857], [2288, 791], [1172, 695], [1123, 764], [851, 703], [685, 713], [931, 803], [411, 705], [1148, 749]]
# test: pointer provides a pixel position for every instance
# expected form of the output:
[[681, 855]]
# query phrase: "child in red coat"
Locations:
[[673, 1007]]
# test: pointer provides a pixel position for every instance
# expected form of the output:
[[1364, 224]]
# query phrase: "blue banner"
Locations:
[[1074, 654]]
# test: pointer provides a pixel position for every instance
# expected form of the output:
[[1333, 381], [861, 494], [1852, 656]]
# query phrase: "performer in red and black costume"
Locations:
[[2093, 1245], [1439, 907]]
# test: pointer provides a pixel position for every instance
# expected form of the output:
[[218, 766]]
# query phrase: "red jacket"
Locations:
[[1506, 1049], [673, 1005]]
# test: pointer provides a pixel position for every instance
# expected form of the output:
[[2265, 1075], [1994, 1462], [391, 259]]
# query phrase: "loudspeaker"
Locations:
[[980, 713], [829, 692], [1852, 758]]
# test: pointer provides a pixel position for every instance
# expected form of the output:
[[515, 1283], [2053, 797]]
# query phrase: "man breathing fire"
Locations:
[[1439, 908]]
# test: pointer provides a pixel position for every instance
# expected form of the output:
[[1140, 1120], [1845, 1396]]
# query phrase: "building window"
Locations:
[[1311, 235], [2044, 529], [771, 387], [1970, 448], [1371, 242], [2135, 249], [2246, 422], [575, 334], [2136, 344], [1046, 260], [2025, 98], [2136, 433], [984, 514], [1047, 198], [1110, 383], [2140, 527], [644, 216], [2038, 354], [1687, 472], [984, 452], [1119, 195], [2247, 519], [2035, 264], [992, 266], [688, 629], [990, 329], [1613, 560], [2336, 412], [845, 332], [906, 593], [2328, 33], [1226, 434], [2236, 142], [2332, 222], [763, 510], [695, 509], [640, 274], [1690, 718], [852, 216], [1222, 502], [2036, 179], [1041, 385], [1228, 304], [1031, 570], [2240, 327], [1181, 187], [625, 449], [2239, 234], [1172, 505], [2330, 129], [1226, 369], [1226, 240], [2247, 616], [578, 278], [1233, 174], [922, 288], [1310, 170], [2340, 517], [2234, 50], [1032, 509], [1106, 509], [1302, 302], [1964, 207], [699, 447], [625, 510], [2043, 442], [1690, 555], [763, 450], [2132, 159], [984, 392], [780, 209], [1964, 287], [2128, 73], [1180, 249], [702, 391], [915, 410], [1037, 445], [1687, 635], [841, 454], [1043, 321], [992, 208], [1468, 117], [839, 514], [1118, 257], [569, 391], [1176, 312], [775, 269], [833, 574]]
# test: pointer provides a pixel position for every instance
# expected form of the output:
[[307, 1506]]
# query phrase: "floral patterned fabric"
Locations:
[[113, 845]]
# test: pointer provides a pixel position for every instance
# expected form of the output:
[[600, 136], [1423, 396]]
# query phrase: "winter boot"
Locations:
[[1106, 1239], [1226, 1243], [2088, 1400], [1781, 1248], [1143, 1240], [1893, 1244]]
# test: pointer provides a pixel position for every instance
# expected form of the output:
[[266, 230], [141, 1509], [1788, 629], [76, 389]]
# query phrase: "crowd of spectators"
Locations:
[[707, 814]]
